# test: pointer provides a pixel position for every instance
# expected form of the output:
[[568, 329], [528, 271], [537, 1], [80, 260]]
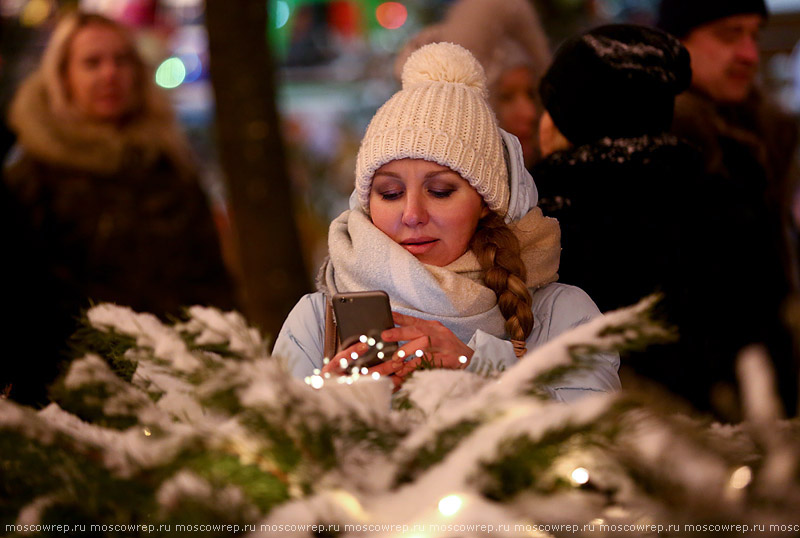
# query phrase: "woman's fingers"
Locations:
[[387, 367], [411, 349], [409, 367], [399, 334], [428, 341], [334, 367]]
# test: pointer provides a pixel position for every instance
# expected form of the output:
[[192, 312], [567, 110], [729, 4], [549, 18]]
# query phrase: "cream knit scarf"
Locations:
[[362, 258]]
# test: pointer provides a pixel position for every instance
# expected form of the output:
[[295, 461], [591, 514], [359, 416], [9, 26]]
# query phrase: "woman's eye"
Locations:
[[391, 195], [442, 193]]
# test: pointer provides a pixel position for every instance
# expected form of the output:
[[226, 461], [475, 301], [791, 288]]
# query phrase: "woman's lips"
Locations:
[[419, 245]]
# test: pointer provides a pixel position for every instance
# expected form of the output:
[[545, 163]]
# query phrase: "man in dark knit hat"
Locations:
[[748, 146], [626, 194]]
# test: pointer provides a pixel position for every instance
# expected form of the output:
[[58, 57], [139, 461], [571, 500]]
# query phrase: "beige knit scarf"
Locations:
[[362, 258]]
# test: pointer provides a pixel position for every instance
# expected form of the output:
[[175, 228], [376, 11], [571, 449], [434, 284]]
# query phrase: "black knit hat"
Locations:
[[617, 81], [679, 17]]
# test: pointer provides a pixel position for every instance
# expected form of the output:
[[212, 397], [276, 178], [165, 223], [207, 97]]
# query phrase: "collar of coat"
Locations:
[[103, 149], [613, 150]]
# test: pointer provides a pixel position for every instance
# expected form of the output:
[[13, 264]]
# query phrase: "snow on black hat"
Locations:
[[679, 17], [616, 81]]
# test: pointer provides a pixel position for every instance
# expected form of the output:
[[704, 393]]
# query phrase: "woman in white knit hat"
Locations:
[[444, 219]]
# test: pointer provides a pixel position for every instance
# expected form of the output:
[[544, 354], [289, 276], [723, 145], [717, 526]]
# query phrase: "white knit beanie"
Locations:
[[440, 115]]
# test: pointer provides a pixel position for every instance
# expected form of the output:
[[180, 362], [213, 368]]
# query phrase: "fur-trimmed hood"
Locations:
[[501, 34], [61, 137]]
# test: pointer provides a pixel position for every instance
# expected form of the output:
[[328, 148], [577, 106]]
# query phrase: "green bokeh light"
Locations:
[[171, 73]]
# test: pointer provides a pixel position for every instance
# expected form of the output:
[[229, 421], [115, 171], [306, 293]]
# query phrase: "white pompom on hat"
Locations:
[[441, 115]]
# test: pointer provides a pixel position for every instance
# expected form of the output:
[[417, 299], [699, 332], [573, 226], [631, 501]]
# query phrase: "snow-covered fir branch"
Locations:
[[194, 422]]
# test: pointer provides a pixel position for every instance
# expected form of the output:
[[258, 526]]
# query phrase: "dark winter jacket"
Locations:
[[143, 238], [622, 205], [639, 216], [753, 140], [750, 159]]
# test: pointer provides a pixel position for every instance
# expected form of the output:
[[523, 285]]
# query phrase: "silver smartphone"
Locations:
[[365, 313]]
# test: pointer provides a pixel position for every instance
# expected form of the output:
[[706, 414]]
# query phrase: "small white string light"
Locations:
[[401, 354], [317, 382], [419, 353], [325, 360], [147, 432], [363, 338], [376, 375], [364, 370], [580, 476], [449, 505], [379, 345], [354, 355], [463, 359], [371, 342], [381, 355], [343, 363]]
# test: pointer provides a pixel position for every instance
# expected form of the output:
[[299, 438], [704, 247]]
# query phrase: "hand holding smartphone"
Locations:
[[365, 313]]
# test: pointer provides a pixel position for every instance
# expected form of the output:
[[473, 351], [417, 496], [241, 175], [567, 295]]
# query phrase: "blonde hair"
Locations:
[[498, 252]]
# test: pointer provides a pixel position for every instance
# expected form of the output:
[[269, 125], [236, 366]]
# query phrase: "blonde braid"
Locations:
[[497, 250]]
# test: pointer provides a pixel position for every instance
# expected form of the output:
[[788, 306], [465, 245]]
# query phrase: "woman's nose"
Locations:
[[414, 212], [109, 70]]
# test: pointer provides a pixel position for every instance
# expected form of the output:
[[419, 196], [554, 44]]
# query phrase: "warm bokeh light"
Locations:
[[317, 382], [171, 73], [35, 12], [580, 476], [391, 15], [450, 505], [741, 477]]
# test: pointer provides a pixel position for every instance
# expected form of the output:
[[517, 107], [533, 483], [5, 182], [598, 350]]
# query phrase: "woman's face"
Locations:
[[516, 109], [101, 73], [428, 209]]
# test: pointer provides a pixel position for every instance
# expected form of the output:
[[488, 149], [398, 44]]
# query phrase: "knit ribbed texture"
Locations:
[[440, 115]]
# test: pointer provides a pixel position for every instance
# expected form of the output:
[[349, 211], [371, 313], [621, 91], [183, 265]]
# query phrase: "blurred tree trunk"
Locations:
[[248, 131]]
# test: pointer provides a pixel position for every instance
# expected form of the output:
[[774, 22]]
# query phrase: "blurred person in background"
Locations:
[[750, 147], [508, 40], [609, 167], [620, 185], [103, 189]]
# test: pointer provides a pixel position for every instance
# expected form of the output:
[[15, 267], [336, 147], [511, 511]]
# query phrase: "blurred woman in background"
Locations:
[[103, 184]]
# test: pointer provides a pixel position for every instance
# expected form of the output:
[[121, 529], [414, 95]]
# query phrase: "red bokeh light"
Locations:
[[391, 15]]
